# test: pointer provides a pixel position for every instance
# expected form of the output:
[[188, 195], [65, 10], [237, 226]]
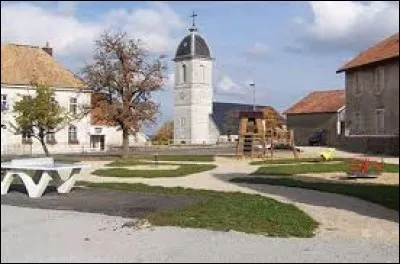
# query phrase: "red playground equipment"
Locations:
[[365, 168]]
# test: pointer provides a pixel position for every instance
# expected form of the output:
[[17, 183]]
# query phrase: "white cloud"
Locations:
[[73, 38], [347, 25], [155, 26], [227, 86], [257, 51]]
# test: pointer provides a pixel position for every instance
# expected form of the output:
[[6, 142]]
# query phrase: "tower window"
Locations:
[[202, 74], [184, 73]]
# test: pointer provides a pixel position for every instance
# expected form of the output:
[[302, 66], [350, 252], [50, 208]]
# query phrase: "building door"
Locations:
[[97, 142], [102, 140], [342, 128]]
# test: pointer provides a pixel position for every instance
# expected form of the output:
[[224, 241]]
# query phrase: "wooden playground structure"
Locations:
[[259, 132]]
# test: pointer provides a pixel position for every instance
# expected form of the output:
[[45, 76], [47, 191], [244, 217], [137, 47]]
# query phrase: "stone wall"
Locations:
[[372, 145]]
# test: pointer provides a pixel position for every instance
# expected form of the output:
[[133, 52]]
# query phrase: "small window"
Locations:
[[51, 137], [379, 79], [73, 105], [26, 137], [202, 74], [4, 103], [380, 121], [26, 97], [357, 122], [184, 73], [182, 121], [72, 135], [356, 83]]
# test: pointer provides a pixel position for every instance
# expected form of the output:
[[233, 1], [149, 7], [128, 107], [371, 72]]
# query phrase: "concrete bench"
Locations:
[[43, 170]]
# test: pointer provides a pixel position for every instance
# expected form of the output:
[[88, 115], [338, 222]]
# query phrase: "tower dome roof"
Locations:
[[192, 46]]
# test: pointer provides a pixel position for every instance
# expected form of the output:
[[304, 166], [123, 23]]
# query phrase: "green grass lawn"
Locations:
[[136, 159], [292, 161], [183, 170], [385, 195], [314, 168], [203, 158], [227, 211], [146, 159]]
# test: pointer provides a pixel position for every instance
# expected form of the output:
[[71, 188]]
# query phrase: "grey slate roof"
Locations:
[[222, 115], [192, 48]]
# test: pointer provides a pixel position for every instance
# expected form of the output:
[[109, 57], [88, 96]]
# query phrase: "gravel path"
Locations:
[[340, 216], [38, 235]]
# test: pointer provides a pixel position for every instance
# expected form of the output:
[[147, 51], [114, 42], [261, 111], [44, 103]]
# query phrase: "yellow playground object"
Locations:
[[327, 154]]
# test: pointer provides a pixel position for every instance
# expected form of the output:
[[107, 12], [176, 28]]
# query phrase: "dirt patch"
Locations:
[[109, 202]]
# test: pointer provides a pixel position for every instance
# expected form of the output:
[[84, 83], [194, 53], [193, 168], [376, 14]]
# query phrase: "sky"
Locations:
[[288, 49]]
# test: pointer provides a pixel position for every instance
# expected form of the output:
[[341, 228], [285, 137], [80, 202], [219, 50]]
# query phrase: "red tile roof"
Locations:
[[319, 102], [386, 49]]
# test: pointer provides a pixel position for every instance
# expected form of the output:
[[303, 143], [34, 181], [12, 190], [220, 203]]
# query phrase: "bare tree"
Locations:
[[127, 76]]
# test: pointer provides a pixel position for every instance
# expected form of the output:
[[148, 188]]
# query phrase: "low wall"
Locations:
[[388, 145]]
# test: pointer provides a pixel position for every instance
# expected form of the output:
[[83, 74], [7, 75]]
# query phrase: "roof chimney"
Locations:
[[47, 49]]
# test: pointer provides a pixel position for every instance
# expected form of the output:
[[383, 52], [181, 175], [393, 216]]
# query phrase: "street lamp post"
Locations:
[[253, 85]]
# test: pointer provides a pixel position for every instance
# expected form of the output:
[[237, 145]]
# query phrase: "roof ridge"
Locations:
[[326, 91], [21, 45]]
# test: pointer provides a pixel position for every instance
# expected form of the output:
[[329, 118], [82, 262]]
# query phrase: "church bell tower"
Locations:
[[193, 89]]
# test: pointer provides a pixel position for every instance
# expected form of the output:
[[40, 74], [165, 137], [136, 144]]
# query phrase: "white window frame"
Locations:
[[73, 105], [379, 128], [26, 137], [203, 73], [72, 134], [4, 102], [182, 121], [51, 136], [379, 79]]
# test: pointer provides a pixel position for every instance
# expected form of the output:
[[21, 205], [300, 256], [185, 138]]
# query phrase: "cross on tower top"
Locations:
[[193, 16]]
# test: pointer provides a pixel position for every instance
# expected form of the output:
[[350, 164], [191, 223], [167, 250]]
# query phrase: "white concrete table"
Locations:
[[44, 170]]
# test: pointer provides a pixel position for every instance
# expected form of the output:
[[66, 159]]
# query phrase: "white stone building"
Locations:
[[193, 92], [20, 64]]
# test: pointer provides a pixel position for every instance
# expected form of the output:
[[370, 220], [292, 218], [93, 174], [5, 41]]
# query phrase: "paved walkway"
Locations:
[[340, 216], [37, 235]]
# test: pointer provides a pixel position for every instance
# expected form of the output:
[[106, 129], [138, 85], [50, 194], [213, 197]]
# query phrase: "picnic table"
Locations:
[[43, 171]]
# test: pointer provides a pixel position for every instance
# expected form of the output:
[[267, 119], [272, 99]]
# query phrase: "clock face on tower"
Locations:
[[182, 96]]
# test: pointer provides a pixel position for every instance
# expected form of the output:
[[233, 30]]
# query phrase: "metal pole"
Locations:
[[254, 95]]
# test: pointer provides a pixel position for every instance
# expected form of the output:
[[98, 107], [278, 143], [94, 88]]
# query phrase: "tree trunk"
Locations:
[[44, 146], [125, 142]]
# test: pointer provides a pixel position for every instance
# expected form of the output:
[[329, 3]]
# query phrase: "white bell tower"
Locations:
[[193, 90]]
